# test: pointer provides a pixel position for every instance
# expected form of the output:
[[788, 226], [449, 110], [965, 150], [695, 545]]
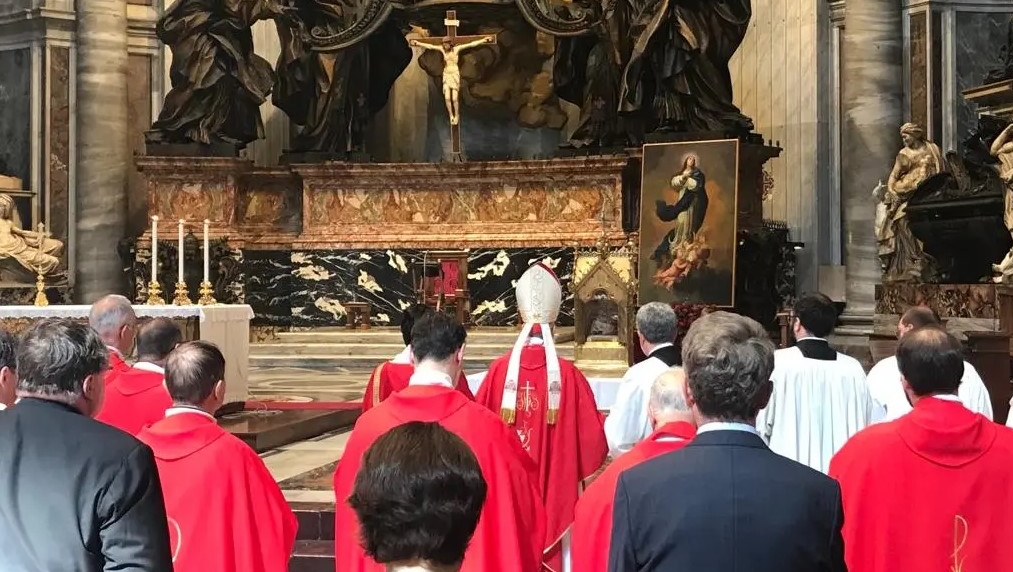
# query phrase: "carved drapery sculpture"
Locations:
[[901, 254], [218, 83], [25, 253], [338, 62]]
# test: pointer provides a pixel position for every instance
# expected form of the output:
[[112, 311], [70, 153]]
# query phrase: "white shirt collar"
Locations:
[[430, 377], [811, 338], [661, 345], [2, 407], [404, 356], [181, 409], [947, 397], [148, 366], [727, 426]]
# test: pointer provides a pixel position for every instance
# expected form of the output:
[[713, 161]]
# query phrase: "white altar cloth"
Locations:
[[226, 325], [605, 389]]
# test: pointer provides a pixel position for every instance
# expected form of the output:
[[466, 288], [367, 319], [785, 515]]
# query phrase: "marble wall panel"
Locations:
[[948, 300], [322, 281], [978, 37], [16, 115], [918, 96], [59, 144], [268, 286], [138, 121], [936, 32]]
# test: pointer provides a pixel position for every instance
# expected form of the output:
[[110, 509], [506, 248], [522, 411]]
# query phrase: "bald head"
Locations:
[[931, 362], [114, 319], [194, 375], [917, 317], [667, 403]]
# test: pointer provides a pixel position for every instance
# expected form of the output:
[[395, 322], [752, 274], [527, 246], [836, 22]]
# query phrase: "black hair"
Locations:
[[8, 350], [931, 361], [157, 338], [192, 371], [418, 496], [817, 314], [408, 319], [437, 336]]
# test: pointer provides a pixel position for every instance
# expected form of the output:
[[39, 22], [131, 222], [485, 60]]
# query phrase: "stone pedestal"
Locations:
[[872, 82]]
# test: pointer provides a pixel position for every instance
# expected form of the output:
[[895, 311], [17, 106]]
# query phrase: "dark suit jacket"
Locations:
[[77, 495], [726, 503]]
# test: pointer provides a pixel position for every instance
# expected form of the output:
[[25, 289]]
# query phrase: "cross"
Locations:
[[528, 388], [450, 46]]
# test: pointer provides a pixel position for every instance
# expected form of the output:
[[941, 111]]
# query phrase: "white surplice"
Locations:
[[816, 407], [628, 423], [887, 390]]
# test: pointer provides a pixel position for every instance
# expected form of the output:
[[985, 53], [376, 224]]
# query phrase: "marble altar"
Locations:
[[227, 326]]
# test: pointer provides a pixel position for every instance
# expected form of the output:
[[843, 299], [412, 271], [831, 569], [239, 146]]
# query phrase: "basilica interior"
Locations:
[[290, 187]]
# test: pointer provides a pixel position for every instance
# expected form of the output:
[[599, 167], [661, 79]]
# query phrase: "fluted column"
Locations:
[[872, 80], [102, 147]]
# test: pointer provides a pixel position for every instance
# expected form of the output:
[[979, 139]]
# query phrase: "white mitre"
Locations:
[[539, 296]]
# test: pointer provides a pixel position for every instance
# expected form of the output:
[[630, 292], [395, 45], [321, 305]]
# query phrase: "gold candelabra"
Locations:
[[40, 278], [206, 294], [155, 294], [182, 295]]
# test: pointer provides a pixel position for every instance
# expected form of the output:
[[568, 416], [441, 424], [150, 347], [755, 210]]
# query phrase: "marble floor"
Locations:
[[304, 469]]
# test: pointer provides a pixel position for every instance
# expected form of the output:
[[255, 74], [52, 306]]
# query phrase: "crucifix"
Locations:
[[451, 46], [529, 403]]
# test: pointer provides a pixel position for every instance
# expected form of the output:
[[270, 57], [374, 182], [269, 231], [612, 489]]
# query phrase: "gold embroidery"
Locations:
[[528, 403], [960, 532]]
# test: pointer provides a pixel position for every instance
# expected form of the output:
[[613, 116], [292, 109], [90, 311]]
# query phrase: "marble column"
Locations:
[[102, 147], [873, 89]]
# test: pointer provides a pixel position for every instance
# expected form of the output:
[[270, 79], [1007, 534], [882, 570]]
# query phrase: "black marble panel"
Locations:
[[323, 281], [918, 64], [268, 286], [16, 115], [978, 38]]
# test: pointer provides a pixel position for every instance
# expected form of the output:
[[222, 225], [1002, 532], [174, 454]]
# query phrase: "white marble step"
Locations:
[[375, 350], [353, 364], [393, 336]]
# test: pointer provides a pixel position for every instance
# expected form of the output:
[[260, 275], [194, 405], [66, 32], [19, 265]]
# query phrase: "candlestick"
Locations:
[[207, 252], [40, 279], [154, 249], [182, 295], [179, 251], [206, 294]]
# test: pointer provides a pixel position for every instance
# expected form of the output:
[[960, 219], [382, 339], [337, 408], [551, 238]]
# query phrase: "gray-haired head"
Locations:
[[728, 360], [56, 357], [114, 319], [194, 375], [657, 323], [667, 402]]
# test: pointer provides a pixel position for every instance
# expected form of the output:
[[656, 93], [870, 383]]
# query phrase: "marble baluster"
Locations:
[[872, 80], [102, 146]]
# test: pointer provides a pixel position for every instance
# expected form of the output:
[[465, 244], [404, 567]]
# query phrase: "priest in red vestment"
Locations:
[[511, 528], [393, 375], [114, 319], [673, 424], [226, 513], [932, 490], [550, 405], [138, 398]]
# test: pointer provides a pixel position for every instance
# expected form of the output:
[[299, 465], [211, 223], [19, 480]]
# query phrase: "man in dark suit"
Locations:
[[725, 501], [76, 495]]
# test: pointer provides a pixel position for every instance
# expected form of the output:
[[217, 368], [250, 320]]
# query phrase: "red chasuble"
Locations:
[[225, 511], [511, 528], [929, 492], [566, 452], [135, 400], [117, 367], [390, 376], [592, 524]]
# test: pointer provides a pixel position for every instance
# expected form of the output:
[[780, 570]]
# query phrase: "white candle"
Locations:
[[207, 250], [154, 249], [180, 253]]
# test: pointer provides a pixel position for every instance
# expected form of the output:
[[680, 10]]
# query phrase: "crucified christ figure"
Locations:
[[451, 71]]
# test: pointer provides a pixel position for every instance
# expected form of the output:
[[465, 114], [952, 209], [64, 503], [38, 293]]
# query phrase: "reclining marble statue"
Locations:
[[25, 253], [1002, 149]]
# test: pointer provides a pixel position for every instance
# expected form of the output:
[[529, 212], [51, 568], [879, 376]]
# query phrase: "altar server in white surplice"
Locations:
[[884, 378], [628, 422], [820, 396]]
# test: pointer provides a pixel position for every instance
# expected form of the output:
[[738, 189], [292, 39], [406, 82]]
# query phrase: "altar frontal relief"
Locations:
[[688, 222]]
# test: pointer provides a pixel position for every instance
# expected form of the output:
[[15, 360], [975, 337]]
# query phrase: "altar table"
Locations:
[[227, 326]]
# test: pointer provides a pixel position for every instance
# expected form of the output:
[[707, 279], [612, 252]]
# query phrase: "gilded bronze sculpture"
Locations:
[[218, 82], [901, 254]]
